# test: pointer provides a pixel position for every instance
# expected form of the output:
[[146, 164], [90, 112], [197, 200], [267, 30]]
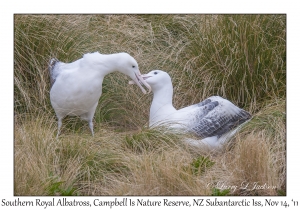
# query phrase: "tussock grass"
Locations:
[[239, 57]]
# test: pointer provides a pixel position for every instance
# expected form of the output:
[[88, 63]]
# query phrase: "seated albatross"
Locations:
[[76, 87], [213, 120]]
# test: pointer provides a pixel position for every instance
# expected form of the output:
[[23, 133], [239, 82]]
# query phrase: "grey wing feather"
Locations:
[[212, 122], [206, 107], [53, 70], [202, 103]]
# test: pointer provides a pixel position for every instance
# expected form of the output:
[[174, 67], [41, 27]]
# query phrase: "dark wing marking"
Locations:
[[52, 72], [233, 122], [206, 107], [215, 123], [202, 103]]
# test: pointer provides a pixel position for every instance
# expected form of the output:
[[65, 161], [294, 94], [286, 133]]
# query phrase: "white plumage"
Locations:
[[213, 120], [76, 87]]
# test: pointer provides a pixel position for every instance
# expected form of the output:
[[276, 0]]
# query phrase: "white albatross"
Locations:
[[76, 87], [213, 120]]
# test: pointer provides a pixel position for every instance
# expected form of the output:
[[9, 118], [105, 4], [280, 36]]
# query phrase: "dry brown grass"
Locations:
[[252, 163], [140, 163]]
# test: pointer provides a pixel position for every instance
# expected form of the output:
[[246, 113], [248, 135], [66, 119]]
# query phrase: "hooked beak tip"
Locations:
[[140, 81]]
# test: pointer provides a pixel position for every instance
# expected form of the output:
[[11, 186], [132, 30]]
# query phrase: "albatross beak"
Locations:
[[139, 80], [145, 76]]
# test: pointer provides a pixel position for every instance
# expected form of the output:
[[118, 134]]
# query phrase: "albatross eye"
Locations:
[[155, 72], [133, 66]]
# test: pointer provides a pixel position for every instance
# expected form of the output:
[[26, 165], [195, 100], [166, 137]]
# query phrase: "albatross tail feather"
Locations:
[[51, 68]]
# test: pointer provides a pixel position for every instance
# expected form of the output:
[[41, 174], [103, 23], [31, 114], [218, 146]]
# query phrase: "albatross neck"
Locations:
[[162, 100], [109, 63]]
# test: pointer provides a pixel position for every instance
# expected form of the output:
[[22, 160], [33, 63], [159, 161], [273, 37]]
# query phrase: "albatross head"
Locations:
[[129, 66], [157, 79]]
